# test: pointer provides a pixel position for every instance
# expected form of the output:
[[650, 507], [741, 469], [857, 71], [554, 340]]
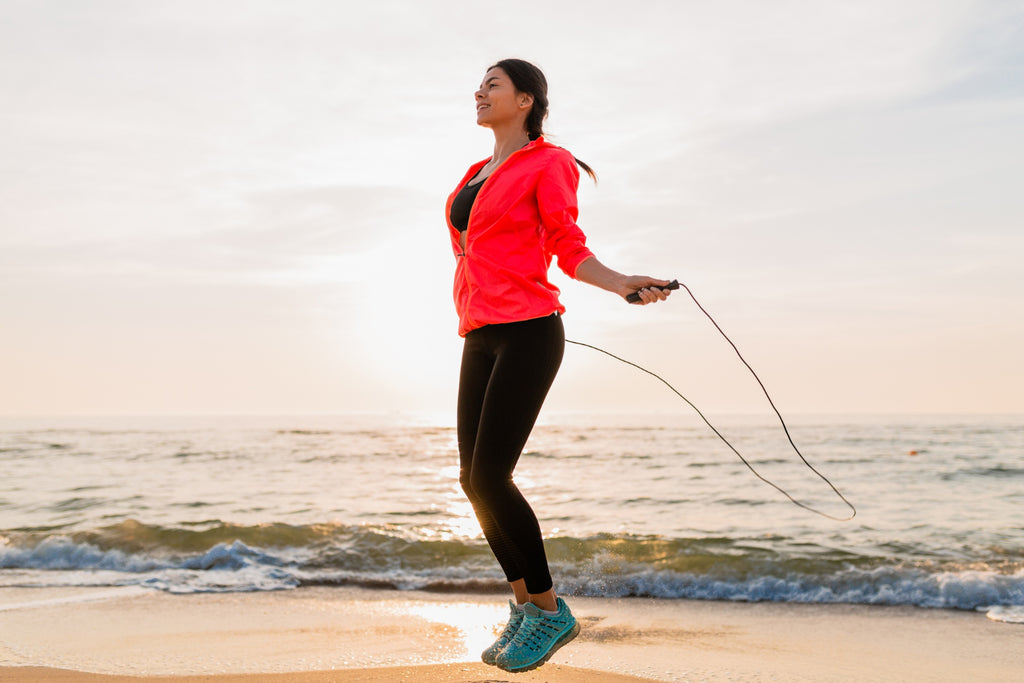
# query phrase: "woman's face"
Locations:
[[497, 101]]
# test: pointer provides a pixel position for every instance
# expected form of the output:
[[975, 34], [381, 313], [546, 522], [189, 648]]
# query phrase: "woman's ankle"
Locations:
[[546, 601]]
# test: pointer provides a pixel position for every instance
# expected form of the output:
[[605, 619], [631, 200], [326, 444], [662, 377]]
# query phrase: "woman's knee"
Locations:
[[466, 481], [488, 486]]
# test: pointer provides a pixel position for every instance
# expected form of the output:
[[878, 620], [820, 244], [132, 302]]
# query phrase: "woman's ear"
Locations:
[[525, 100]]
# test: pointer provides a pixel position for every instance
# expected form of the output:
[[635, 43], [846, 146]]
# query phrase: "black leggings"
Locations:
[[507, 370]]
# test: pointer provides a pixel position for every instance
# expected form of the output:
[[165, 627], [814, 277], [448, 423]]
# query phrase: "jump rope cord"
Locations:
[[726, 441]]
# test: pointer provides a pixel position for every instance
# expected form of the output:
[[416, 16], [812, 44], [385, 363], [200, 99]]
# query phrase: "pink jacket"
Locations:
[[524, 214]]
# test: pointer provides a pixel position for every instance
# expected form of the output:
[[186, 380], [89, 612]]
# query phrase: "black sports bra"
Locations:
[[463, 204]]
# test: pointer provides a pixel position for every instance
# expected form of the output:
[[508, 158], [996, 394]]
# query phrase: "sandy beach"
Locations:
[[480, 673], [350, 634]]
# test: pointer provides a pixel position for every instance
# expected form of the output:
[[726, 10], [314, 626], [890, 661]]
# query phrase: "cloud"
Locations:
[[281, 234], [189, 176]]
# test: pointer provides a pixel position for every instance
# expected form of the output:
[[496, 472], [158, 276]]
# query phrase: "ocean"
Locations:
[[630, 506]]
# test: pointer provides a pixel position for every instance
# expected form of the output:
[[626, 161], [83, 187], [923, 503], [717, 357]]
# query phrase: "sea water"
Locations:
[[630, 506]]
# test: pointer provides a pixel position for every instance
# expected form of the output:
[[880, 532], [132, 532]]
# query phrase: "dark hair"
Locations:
[[529, 79]]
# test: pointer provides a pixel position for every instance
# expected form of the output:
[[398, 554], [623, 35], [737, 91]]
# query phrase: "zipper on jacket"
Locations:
[[472, 209], [469, 222]]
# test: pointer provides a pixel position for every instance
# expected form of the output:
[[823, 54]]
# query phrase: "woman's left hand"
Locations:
[[596, 273], [647, 288]]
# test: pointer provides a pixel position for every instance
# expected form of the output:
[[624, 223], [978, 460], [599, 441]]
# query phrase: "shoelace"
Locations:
[[511, 627], [534, 632]]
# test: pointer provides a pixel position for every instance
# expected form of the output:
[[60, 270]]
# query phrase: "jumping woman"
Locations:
[[509, 215]]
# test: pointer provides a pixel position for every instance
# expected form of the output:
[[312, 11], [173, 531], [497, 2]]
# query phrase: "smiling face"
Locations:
[[498, 103]]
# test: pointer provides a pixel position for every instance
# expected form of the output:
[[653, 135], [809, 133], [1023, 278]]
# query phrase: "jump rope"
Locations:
[[675, 284]]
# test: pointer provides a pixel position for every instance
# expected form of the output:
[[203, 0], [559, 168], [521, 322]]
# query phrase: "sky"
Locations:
[[237, 208]]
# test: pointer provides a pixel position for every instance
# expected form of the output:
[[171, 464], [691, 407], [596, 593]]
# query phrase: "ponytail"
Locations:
[[589, 171], [529, 79]]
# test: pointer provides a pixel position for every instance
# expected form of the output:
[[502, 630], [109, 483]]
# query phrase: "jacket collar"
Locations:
[[532, 145], [539, 143]]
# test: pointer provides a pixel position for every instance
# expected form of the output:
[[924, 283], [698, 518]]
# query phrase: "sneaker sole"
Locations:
[[565, 638]]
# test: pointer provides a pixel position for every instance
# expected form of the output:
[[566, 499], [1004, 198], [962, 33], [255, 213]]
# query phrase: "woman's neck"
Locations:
[[507, 141]]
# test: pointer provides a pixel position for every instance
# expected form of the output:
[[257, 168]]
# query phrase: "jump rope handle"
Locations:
[[635, 296]]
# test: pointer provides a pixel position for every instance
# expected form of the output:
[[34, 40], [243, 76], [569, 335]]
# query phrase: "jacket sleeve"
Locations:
[[556, 199]]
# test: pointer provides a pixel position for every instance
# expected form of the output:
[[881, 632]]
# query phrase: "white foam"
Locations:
[[1011, 614], [967, 589], [223, 568], [59, 552], [91, 596], [237, 567]]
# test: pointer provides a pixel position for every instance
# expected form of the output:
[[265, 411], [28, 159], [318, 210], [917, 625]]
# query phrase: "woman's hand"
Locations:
[[647, 288], [595, 273]]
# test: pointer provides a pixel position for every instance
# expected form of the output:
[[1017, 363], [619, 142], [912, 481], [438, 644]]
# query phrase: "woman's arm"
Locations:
[[593, 272]]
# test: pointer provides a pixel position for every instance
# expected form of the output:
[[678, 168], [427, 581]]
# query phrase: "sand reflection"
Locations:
[[475, 625]]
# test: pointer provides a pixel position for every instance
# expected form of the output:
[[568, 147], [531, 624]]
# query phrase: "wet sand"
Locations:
[[349, 634]]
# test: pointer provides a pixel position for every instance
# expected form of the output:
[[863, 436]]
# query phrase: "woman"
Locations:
[[508, 216]]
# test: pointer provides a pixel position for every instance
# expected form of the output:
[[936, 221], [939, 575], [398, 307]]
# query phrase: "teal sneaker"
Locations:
[[515, 619], [538, 637]]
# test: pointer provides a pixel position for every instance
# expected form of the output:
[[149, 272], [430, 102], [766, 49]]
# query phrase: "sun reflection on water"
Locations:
[[462, 523], [459, 521]]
